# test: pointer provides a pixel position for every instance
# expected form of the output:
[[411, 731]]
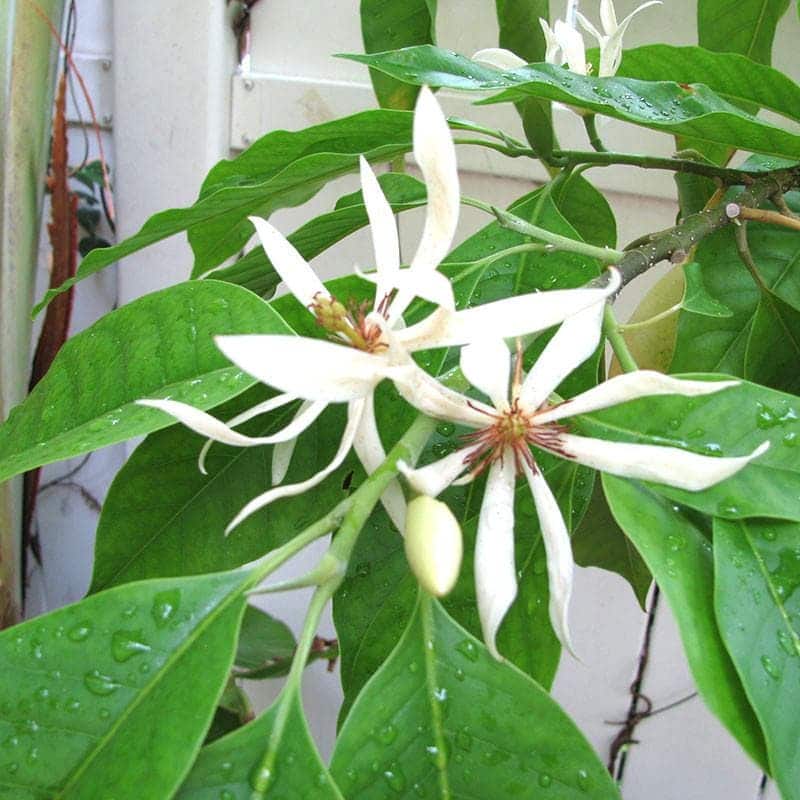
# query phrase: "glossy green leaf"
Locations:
[[696, 298], [254, 270], [279, 170], [442, 719], [160, 345], [91, 692], [598, 541], [223, 769], [390, 25], [665, 106], [262, 638], [731, 422], [729, 74], [740, 26], [773, 345], [757, 570], [678, 552]]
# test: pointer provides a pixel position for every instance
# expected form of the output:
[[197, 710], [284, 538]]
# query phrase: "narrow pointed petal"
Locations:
[[498, 58], [434, 478], [643, 383], [573, 47], [552, 47], [611, 50], [431, 286], [294, 270], [589, 28], [430, 397], [574, 342], [647, 462], [487, 366], [502, 319], [608, 17], [559, 554], [354, 410], [495, 570], [369, 449], [310, 368], [383, 228], [260, 408], [436, 157], [283, 451]]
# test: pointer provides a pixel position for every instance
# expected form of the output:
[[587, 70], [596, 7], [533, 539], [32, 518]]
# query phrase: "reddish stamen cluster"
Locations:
[[350, 324]]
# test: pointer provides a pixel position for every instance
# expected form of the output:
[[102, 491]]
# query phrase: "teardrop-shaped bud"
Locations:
[[433, 544]]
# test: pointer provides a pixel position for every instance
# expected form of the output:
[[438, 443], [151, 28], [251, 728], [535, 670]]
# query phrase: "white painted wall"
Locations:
[[169, 90]]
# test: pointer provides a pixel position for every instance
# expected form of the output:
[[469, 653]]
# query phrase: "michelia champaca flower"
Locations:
[[367, 344], [564, 43], [522, 417]]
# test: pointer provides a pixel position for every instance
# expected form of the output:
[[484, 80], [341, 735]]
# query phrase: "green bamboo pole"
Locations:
[[28, 58]]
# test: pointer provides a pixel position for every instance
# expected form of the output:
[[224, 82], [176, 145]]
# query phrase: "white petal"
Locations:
[[276, 493], [572, 44], [487, 366], [498, 58], [434, 478], [502, 319], [559, 554], [436, 156], [668, 465], [294, 270], [495, 571], [369, 449], [283, 451], [383, 228], [589, 28], [260, 408], [608, 17], [643, 383], [576, 340], [552, 45], [430, 397], [611, 50], [431, 286], [310, 368]]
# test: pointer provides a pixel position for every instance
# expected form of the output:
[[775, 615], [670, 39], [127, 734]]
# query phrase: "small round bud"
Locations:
[[732, 210], [433, 544]]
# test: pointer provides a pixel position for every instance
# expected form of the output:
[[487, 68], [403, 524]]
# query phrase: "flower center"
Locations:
[[354, 324]]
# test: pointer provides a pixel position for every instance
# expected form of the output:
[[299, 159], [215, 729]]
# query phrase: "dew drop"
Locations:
[[769, 534], [545, 780], [165, 606], [786, 642], [791, 439], [583, 780], [413, 667], [127, 644], [468, 649], [464, 739], [393, 776], [445, 429], [460, 675], [261, 777], [99, 684], [770, 667], [387, 734], [675, 543], [227, 794], [12, 768]]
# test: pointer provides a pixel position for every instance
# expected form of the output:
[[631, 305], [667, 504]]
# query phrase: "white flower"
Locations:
[[370, 345], [564, 43], [502, 444]]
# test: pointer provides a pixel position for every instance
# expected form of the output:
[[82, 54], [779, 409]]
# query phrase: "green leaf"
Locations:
[[773, 345], [740, 26], [262, 639], [731, 422], [732, 76], [757, 570], [442, 718], [390, 25], [350, 215], [678, 553], [599, 542], [91, 692], [279, 170], [160, 345], [665, 106], [696, 298], [223, 769]]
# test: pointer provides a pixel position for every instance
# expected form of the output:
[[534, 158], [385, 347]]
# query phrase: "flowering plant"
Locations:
[[388, 414]]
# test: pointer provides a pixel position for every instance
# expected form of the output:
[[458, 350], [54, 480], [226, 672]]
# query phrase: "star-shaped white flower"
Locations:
[[522, 417], [367, 346]]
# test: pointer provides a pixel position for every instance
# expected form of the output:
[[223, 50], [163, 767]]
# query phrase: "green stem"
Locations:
[[635, 326], [603, 254], [590, 123], [617, 341]]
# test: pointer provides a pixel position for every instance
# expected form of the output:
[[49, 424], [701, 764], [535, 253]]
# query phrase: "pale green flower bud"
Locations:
[[433, 544]]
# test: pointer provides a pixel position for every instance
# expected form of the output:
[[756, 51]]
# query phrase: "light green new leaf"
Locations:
[[115, 693], [733, 76], [160, 345], [279, 170], [731, 422], [666, 106], [740, 26], [678, 553], [443, 719], [757, 572], [223, 769], [390, 25]]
